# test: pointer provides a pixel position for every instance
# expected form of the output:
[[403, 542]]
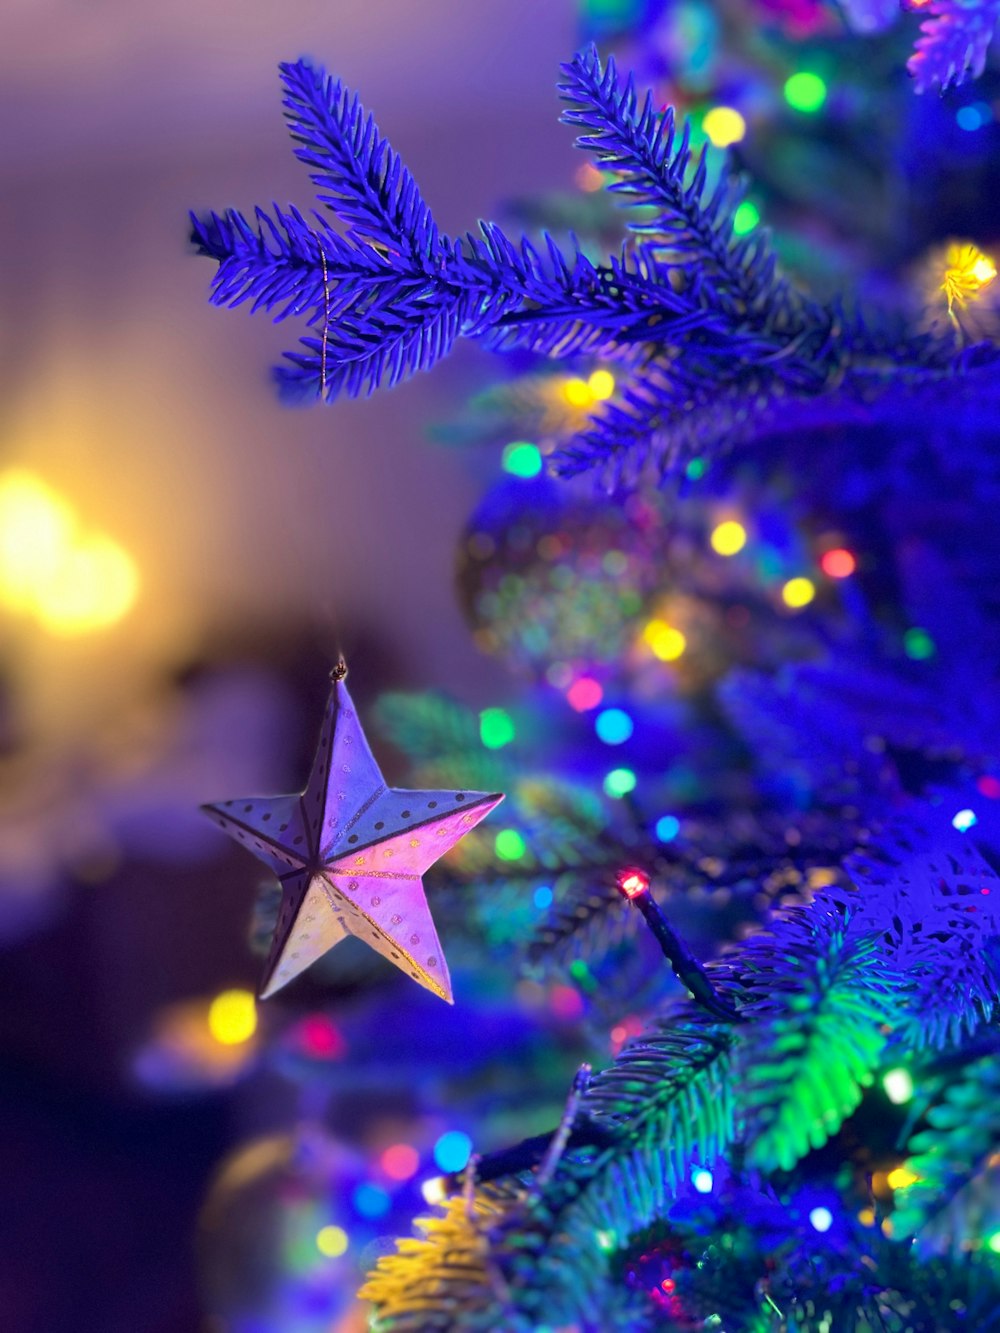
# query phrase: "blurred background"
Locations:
[[182, 559], [224, 551]]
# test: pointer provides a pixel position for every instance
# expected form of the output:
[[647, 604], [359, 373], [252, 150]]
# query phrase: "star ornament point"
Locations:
[[350, 853]]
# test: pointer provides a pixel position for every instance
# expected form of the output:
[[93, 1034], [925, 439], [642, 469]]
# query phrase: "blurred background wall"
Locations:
[[253, 543]]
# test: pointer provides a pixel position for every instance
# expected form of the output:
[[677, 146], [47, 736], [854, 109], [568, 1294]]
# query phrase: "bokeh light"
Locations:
[[543, 897], [619, 782], [613, 726], [702, 1180], [666, 641], [746, 217], [452, 1150], [964, 820], [584, 694], [898, 1085], [509, 845], [332, 1241], [522, 459], [838, 563], [918, 644], [667, 828], [400, 1161], [821, 1219], [371, 1200], [601, 384], [805, 92], [496, 729], [724, 125], [798, 592], [232, 1017], [728, 538], [72, 582]]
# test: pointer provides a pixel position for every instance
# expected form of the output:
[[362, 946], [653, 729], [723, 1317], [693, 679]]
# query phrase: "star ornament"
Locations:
[[349, 853]]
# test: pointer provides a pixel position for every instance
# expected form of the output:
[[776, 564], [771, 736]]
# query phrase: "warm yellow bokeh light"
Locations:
[[724, 126], [36, 528], [577, 393], [900, 1177], [728, 538], [666, 642], [232, 1017], [71, 583], [601, 384], [95, 586], [331, 1241], [967, 270], [798, 592]]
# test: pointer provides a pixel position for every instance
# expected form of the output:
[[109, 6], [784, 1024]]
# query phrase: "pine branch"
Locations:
[[958, 1150], [953, 43], [818, 1005], [654, 168]]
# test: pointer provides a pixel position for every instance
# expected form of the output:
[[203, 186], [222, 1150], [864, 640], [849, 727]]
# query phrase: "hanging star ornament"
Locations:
[[349, 853]]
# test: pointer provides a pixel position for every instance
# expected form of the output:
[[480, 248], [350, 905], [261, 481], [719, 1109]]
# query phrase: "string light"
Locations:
[[543, 897], [400, 1162], [331, 1241], [901, 1177], [619, 782], [433, 1190], [746, 217], [918, 644], [821, 1219], [798, 592], [964, 820], [666, 642], [898, 1085], [509, 845], [632, 882], [495, 728], [702, 1180], [667, 828], [805, 92], [838, 563], [371, 1200], [728, 538], [577, 392], [724, 125], [967, 272], [993, 1242], [584, 694], [601, 384], [613, 726], [453, 1150], [522, 459], [232, 1017], [596, 388]]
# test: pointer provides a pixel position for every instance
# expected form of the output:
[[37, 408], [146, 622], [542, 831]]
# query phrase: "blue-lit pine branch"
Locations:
[[714, 347]]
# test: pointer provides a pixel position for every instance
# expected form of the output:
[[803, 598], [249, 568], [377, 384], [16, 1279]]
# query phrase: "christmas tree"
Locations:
[[777, 915]]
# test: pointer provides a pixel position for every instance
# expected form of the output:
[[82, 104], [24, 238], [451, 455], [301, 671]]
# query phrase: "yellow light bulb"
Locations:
[[232, 1017], [724, 126], [728, 538], [601, 384], [900, 1177], [798, 592], [578, 393], [666, 642], [331, 1241], [967, 272]]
